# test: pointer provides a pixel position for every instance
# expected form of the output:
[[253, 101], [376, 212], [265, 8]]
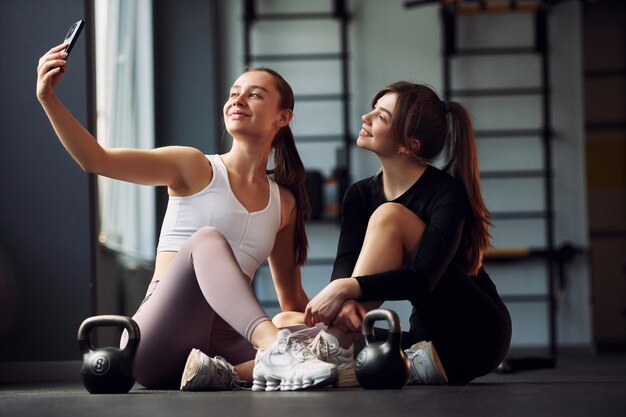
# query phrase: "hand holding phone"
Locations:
[[72, 36], [52, 64]]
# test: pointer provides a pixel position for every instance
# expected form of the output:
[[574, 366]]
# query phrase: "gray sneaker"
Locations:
[[203, 373], [288, 365], [426, 368]]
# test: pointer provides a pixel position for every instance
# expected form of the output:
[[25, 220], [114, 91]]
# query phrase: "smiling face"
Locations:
[[376, 133], [253, 106]]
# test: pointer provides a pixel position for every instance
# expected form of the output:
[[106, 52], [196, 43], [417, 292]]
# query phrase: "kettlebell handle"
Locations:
[[84, 341], [380, 314]]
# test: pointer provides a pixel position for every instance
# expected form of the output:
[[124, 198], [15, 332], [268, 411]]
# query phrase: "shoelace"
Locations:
[[227, 376], [298, 348], [320, 348]]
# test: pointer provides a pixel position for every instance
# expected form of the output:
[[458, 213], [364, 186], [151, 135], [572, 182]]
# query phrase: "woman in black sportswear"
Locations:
[[418, 233]]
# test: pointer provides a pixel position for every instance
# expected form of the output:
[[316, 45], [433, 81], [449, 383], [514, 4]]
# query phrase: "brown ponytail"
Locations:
[[288, 169], [441, 126], [463, 164]]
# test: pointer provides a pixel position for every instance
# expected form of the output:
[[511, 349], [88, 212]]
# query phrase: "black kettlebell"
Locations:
[[108, 370], [382, 365]]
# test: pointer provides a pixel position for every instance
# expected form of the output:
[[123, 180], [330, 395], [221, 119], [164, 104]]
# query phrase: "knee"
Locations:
[[392, 216], [396, 222], [207, 239], [288, 318], [208, 234]]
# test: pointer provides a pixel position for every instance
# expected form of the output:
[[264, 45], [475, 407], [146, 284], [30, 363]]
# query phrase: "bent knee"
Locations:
[[288, 318], [395, 215], [209, 240], [208, 234]]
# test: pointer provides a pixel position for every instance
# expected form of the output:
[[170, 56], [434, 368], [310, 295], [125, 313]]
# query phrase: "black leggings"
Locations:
[[468, 323]]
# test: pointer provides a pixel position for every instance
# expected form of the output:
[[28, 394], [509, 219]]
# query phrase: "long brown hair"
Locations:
[[443, 127], [288, 169]]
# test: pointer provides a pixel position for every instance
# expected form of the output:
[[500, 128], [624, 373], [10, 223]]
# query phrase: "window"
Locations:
[[125, 119]]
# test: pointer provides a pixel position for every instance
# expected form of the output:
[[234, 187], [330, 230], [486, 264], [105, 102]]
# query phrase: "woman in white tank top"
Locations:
[[200, 296]]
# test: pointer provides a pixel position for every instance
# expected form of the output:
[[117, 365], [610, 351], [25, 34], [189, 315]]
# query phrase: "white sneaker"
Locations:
[[326, 348], [426, 368], [288, 365], [203, 373]]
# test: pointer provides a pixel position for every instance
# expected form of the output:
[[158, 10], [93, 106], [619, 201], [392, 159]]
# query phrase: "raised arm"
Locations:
[[171, 166]]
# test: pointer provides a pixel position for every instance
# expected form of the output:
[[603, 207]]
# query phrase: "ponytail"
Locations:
[[463, 165], [289, 171]]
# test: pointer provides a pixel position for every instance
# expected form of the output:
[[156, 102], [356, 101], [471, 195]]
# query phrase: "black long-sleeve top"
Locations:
[[440, 201]]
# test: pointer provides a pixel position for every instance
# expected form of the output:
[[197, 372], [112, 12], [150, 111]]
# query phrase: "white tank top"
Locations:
[[251, 235]]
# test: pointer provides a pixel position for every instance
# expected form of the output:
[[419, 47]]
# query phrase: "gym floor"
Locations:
[[582, 384]]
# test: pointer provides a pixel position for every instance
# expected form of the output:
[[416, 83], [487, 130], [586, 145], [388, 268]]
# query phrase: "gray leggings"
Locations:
[[203, 301]]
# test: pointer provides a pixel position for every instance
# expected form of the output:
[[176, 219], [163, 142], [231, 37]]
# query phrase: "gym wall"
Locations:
[[388, 42]]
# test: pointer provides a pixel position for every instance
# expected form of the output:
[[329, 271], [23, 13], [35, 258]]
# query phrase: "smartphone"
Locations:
[[72, 35]]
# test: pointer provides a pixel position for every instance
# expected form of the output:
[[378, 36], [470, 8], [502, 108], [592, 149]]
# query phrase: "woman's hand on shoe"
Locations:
[[323, 308], [350, 317]]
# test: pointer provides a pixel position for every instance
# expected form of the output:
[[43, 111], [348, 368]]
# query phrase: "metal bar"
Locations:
[[518, 215], [497, 92], [321, 97], [319, 138], [339, 8], [496, 51], [566, 252], [415, 3], [449, 33], [508, 133], [344, 179], [299, 57], [295, 16], [248, 18], [541, 22], [525, 298], [540, 173]]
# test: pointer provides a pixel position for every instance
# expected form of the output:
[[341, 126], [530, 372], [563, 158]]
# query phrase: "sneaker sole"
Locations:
[[270, 383], [188, 379], [435, 357], [441, 378]]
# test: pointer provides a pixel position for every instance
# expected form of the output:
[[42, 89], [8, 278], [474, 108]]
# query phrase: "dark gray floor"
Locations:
[[582, 384]]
